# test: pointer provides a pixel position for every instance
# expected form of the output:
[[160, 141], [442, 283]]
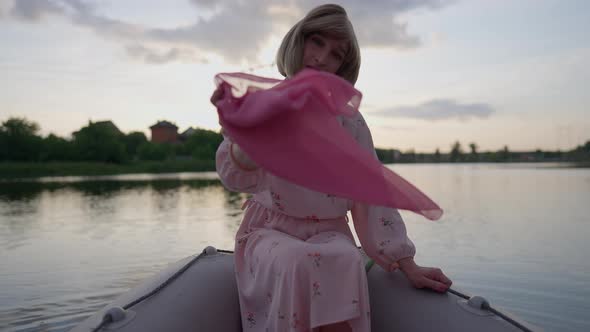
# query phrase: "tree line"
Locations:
[[98, 142], [103, 142], [458, 154]]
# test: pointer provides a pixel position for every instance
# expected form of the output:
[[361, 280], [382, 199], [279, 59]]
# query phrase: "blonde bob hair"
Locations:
[[331, 21]]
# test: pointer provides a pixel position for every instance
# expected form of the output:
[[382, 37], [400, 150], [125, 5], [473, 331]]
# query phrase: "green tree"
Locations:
[[386, 156], [456, 152], [437, 157], [57, 149], [155, 151], [539, 155], [473, 156], [202, 144], [100, 142], [19, 140], [409, 156], [504, 154], [133, 141], [580, 153]]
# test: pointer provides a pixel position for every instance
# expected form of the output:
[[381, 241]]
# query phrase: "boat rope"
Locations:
[[109, 316], [485, 305]]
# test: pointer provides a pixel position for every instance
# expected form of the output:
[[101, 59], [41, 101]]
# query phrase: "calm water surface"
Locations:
[[517, 234]]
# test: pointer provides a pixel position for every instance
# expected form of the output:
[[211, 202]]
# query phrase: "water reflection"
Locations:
[[67, 248], [24, 192], [27, 191], [70, 245], [90, 206]]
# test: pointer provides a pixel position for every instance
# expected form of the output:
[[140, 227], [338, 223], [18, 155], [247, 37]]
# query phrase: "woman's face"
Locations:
[[324, 53]]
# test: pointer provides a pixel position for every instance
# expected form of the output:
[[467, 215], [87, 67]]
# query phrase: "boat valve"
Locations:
[[479, 302], [115, 318], [115, 314], [476, 305]]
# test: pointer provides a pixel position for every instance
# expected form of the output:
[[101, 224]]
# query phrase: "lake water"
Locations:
[[515, 233]]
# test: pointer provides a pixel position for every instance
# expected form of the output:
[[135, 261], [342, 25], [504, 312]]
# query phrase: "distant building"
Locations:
[[165, 132], [187, 133]]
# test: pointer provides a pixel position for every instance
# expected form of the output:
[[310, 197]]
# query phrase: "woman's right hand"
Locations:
[[424, 277], [217, 95], [236, 152]]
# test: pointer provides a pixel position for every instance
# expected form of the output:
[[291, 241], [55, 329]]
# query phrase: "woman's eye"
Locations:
[[317, 41], [337, 56]]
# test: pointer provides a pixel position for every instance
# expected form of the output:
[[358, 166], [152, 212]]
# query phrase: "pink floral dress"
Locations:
[[297, 265]]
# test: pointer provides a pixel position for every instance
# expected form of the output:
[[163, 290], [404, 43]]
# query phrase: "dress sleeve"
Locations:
[[381, 230], [234, 176]]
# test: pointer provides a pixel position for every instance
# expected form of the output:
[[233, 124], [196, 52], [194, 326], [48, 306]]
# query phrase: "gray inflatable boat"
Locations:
[[199, 293]]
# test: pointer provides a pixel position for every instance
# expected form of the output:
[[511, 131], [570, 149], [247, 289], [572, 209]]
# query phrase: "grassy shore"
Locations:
[[13, 170], [17, 170]]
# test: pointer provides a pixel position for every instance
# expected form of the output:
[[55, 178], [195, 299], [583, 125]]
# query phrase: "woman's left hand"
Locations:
[[425, 277]]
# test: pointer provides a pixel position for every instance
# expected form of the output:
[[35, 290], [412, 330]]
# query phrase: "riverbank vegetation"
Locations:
[[99, 148]]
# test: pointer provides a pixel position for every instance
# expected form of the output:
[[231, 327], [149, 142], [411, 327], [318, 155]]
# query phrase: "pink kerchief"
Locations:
[[290, 129]]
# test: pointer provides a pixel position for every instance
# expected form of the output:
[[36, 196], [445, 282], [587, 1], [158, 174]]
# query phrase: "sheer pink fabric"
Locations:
[[290, 129]]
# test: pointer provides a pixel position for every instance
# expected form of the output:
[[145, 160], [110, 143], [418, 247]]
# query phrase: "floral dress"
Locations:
[[296, 262]]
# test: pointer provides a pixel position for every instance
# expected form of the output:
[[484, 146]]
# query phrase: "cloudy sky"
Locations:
[[493, 72]]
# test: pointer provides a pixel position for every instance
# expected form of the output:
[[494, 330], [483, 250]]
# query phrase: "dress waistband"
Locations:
[[312, 218]]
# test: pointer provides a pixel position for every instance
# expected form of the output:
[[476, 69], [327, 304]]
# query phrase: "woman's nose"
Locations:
[[320, 58]]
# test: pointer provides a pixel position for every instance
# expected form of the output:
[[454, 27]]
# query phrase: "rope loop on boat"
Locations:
[[108, 317]]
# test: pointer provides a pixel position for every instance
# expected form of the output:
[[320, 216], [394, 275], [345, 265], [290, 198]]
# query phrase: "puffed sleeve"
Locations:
[[381, 230], [234, 176]]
